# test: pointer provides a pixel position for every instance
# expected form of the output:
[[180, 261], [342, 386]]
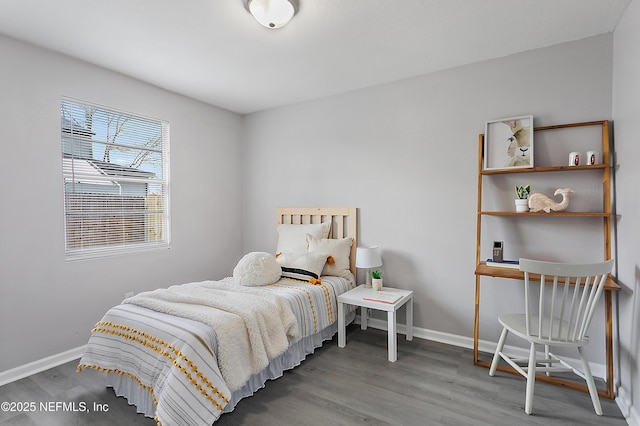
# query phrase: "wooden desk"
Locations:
[[610, 286]]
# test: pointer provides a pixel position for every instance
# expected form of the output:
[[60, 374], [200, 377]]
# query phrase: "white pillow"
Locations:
[[302, 266], [293, 238], [256, 269], [338, 249]]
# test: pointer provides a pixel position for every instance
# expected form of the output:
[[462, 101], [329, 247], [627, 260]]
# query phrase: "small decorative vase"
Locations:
[[376, 284], [522, 205]]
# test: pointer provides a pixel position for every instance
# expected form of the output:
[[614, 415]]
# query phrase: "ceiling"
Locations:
[[214, 51]]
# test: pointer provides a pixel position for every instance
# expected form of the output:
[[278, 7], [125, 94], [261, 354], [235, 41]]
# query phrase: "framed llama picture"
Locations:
[[508, 143]]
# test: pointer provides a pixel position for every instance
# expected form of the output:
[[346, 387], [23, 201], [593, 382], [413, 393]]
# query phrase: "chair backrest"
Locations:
[[567, 297]]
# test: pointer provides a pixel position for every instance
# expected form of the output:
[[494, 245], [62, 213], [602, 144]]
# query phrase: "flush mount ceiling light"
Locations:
[[271, 13]]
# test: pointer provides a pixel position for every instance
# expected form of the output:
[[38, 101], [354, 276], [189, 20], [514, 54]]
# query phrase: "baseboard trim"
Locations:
[[43, 364], [626, 407]]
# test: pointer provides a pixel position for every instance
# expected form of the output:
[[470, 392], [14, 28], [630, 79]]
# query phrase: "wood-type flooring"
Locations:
[[430, 384]]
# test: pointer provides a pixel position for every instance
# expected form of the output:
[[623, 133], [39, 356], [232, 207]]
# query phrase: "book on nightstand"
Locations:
[[512, 264], [382, 297]]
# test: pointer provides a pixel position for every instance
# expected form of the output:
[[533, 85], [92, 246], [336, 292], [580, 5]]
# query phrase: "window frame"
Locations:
[[109, 208]]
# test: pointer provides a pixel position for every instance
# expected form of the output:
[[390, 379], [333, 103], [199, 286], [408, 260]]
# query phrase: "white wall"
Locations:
[[406, 149], [405, 154], [47, 305], [626, 110]]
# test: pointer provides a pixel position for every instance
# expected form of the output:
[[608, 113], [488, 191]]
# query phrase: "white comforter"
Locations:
[[252, 325], [176, 346]]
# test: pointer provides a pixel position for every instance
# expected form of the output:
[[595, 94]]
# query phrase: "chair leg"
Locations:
[[593, 391], [547, 356], [496, 355], [531, 379]]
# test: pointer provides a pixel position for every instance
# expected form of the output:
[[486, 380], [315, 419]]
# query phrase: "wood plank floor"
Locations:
[[430, 384]]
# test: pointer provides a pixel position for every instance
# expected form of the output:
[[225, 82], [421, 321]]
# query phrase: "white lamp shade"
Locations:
[[368, 257], [272, 13]]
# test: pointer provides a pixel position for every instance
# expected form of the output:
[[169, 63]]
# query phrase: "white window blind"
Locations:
[[116, 180]]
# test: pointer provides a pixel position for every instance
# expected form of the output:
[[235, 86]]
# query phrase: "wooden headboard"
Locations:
[[344, 223]]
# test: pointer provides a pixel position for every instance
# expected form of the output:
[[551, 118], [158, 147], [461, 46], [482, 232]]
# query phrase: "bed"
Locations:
[[186, 354]]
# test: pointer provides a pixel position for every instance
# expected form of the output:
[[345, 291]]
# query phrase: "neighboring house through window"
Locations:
[[116, 178]]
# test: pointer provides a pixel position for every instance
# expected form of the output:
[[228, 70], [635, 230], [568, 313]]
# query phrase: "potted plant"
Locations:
[[522, 198], [376, 280]]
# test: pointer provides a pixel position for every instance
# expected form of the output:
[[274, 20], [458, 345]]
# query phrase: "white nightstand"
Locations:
[[389, 300]]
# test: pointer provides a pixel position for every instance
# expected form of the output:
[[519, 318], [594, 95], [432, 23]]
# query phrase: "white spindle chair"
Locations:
[[567, 297]]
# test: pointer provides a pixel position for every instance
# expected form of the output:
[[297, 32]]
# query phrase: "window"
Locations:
[[115, 167]]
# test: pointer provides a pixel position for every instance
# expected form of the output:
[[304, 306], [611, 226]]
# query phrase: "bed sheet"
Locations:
[[167, 366]]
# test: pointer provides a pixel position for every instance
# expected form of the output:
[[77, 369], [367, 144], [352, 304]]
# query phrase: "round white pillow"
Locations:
[[257, 269]]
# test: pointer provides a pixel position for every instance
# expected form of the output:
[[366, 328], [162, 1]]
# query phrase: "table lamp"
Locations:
[[367, 258]]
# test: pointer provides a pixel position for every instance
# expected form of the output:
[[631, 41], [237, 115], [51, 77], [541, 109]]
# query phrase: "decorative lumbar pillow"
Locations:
[[256, 269], [293, 238], [337, 249], [302, 266]]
